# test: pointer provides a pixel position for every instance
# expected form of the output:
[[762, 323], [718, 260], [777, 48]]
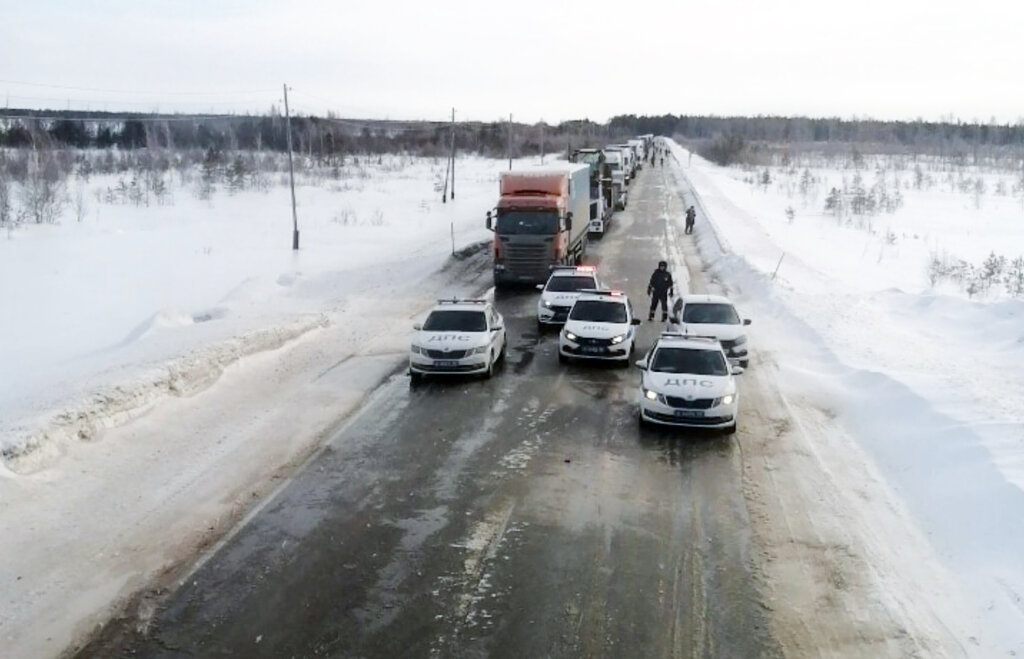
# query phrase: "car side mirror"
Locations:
[[636, 321], [747, 321], [642, 364], [737, 370], [490, 222], [497, 328], [540, 287], [417, 326]]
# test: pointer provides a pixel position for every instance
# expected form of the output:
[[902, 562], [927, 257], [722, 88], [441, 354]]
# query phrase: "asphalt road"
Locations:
[[524, 516]]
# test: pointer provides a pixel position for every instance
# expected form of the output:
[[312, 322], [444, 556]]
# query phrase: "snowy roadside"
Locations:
[[935, 488], [107, 317], [115, 517]]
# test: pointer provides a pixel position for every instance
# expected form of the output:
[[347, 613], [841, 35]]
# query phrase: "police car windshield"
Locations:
[[455, 321], [689, 360], [569, 284], [598, 312], [710, 313]]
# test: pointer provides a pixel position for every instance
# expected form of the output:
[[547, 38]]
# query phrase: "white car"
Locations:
[[687, 381], [601, 325], [459, 337], [561, 291], [712, 316]]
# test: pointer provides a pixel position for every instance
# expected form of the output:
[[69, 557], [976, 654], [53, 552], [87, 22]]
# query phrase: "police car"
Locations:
[[712, 316], [600, 325], [458, 337], [687, 381], [560, 292]]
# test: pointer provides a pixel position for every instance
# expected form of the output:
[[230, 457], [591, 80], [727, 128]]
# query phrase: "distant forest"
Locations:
[[722, 139]]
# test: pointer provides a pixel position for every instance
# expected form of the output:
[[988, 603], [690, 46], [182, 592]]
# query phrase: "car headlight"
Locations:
[[618, 339], [650, 394], [569, 335], [740, 340], [416, 350], [547, 303], [479, 351], [725, 400]]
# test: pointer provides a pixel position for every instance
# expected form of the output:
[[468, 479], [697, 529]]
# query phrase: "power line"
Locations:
[[136, 91], [93, 101]]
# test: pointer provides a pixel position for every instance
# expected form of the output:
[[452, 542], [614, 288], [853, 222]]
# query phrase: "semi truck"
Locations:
[[601, 202], [629, 161], [614, 158], [541, 220]]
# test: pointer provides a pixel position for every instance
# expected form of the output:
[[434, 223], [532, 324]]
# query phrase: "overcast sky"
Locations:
[[537, 59]]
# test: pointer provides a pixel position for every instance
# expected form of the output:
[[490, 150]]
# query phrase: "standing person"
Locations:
[[691, 219], [660, 288]]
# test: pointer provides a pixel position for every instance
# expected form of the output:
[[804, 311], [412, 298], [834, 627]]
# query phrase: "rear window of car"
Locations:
[[713, 313]]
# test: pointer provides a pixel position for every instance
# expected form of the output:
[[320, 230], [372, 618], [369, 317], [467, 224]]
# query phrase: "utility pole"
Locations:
[[291, 169], [510, 140], [453, 153]]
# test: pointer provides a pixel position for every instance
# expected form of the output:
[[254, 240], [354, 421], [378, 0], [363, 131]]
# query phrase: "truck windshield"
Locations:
[[688, 360], [599, 312], [455, 321], [527, 223]]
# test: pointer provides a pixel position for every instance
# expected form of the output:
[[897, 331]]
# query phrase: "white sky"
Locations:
[[537, 59]]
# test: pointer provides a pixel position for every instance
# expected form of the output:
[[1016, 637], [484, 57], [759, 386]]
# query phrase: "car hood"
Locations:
[[720, 332], [449, 341], [560, 299], [688, 386], [592, 330]]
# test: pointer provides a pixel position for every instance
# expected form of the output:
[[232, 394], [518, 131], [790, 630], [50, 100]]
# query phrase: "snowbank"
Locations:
[[104, 317], [930, 386]]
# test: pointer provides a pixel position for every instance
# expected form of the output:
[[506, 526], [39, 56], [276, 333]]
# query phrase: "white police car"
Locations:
[[712, 316], [601, 325], [687, 381], [560, 292], [458, 337]]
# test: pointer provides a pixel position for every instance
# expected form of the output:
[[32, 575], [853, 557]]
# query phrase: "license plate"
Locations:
[[446, 363], [592, 350], [689, 414]]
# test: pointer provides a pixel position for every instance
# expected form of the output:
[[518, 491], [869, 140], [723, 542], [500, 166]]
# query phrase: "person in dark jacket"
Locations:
[[659, 288], [691, 219]]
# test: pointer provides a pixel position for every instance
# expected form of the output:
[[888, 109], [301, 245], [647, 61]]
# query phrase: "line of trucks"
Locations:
[[546, 214]]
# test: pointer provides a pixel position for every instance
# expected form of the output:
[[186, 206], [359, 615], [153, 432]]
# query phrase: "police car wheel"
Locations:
[[562, 358], [730, 430], [415, 378], [490, 367], [744, 363]]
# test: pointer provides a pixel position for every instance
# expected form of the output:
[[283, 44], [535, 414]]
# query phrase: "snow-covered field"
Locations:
[[101, 317], [929, 381]]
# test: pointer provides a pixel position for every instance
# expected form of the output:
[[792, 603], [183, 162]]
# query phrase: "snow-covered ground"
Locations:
[[929, 383], [101, 317]]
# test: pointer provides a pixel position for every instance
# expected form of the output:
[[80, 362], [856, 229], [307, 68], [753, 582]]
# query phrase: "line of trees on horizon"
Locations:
[[722, 139]]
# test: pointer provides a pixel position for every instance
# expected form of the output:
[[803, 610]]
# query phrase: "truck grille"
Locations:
[[699, 404], [526, 259]]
